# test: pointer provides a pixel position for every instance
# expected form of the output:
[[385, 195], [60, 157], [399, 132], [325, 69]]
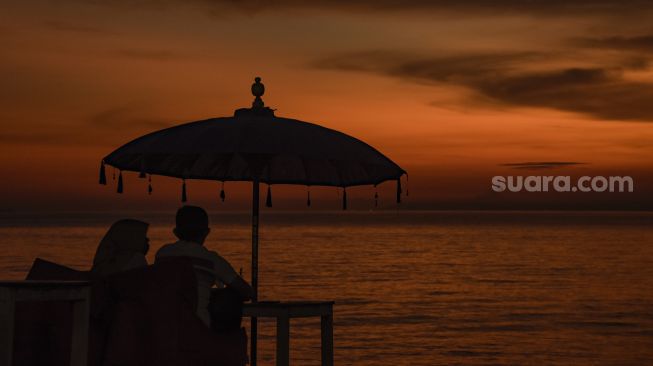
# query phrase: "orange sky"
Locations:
[[448, 90]]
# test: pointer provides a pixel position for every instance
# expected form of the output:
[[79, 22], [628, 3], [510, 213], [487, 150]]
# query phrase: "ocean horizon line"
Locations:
[[332, 211]]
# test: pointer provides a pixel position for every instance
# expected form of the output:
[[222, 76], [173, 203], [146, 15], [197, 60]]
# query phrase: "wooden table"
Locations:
[[76, 291], [283, 311]]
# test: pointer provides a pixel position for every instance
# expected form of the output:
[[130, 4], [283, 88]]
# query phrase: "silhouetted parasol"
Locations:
[[255, 145]]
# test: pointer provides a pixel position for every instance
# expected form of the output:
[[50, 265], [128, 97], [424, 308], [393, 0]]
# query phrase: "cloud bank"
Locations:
[[602, 92], [542, 164]]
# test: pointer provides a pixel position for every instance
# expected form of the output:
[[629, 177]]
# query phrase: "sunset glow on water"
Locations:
[[421, 288], [471, 143]]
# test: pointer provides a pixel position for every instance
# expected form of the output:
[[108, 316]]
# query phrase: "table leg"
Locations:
[[7, 309], [252, 341], [79, 342], [283, 341], [327, 340]]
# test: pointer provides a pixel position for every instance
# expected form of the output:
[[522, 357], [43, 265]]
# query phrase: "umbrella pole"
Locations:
[[255, 210]]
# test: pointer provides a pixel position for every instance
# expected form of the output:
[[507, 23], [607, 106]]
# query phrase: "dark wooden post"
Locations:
[[255, 213], [283, 340]]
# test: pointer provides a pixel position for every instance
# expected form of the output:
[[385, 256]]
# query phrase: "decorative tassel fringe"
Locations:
[[114, 173], [268, 199], [222, 195], [103, 175], [344, 198], [399, 190], [184, 198], [406, 184], [308, 198], [376, 199], [142, 173], [119, 190], [149, 184]]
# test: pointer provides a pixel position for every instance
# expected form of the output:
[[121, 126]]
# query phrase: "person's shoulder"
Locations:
[[212, 253], [216, 257], [166, 248], [197, 250], [169, 246]]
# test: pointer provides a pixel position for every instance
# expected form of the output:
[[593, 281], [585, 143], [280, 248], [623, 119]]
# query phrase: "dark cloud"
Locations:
[[550, 8], [642, 43], [540, 7], [150, 55], [463, 69], [542, 164], [105, 124], [71, 27], [126, 117], [602, 92], [39, 138]]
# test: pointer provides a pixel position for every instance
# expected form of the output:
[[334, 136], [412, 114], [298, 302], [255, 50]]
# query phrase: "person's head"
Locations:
[[128, 235], [192, 224], [124, 239]]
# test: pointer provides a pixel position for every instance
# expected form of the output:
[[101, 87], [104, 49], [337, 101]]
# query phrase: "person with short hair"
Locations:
[[192, 228]]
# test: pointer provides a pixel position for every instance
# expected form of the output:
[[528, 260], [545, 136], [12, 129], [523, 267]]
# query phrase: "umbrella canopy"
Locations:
[[255, 145]]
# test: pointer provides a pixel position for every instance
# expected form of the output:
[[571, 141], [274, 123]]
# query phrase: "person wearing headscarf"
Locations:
[[123, 247]]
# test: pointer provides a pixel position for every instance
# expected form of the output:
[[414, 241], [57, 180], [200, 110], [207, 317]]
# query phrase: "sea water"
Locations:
[[417, 288]]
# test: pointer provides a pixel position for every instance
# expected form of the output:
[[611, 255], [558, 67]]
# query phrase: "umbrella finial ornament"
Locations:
[[258, 89]]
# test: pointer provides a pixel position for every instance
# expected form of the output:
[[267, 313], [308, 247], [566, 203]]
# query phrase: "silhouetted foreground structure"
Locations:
[[282, 312], [17, 292], [139, 317], [255, 146]]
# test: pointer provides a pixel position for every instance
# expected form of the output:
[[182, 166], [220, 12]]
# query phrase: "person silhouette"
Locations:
[[123, 247], [192, 228]]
